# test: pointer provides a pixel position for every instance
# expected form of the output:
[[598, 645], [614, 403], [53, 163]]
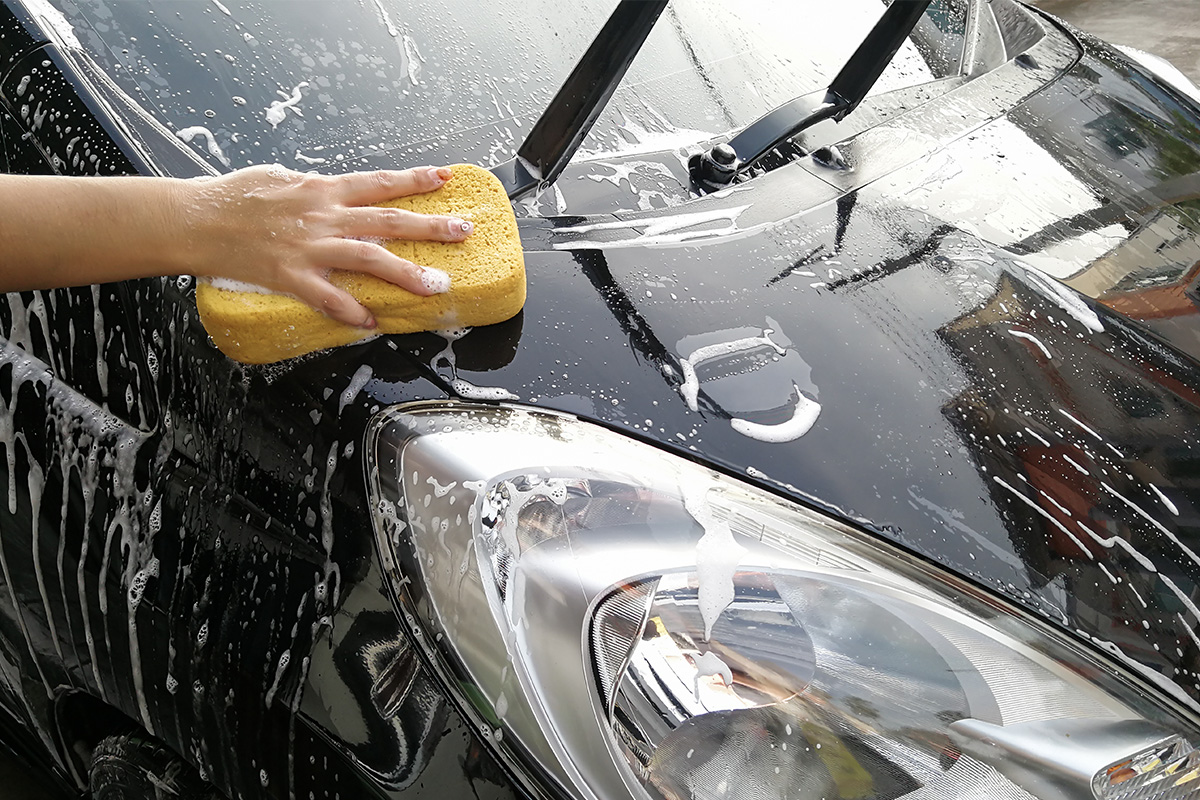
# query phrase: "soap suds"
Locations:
[[1030, 338], [357, 382], [1166, 501], [690, 388], [412, 59], [717, 558], [469, 391], [1155, 523], [440, 490], [805, 414], [1043, 513], [309, 159], [464, 389], [54, 22], [656, 230], [1075, 464], [1067, 300], [386, 19], [1079, 424], [230, 285], [707, 665], [188, 134], [435, 280], [277, 111]]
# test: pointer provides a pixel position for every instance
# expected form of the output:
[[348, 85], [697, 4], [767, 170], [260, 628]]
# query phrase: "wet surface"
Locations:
[[1046, 339], [1144, 24], [20, 783]]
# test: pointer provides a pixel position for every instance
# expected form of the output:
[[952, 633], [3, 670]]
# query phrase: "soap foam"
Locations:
[[435, 280], [188, 134], [469, 391], [277, 111], [230, 285], [717, 558], [803, 417]]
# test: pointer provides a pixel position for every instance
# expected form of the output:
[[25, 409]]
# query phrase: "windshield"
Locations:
[[353, 83]]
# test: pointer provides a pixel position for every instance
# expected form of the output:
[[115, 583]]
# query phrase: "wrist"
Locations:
[[178, 227]]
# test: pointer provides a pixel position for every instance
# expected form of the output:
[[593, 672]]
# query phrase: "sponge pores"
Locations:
[[487, 272]]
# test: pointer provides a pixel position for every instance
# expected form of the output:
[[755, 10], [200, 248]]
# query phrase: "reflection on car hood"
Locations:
[[881, 356]]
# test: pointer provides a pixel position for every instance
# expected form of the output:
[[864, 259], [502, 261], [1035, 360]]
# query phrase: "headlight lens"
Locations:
[[621, 622]]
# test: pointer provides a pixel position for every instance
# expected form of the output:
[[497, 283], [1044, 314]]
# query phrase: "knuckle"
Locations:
[[311, 181], [364, 251], [380, 179], [413, 273], [312, 220], [335, 303]]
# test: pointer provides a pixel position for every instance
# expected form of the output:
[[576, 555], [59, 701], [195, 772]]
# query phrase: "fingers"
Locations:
[[299, 222], [365, 188], [395, 223], [354, 256], [314, 289]]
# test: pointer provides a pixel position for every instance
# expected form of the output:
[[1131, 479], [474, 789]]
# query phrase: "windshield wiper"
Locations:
[[558, 132], [719, 166]]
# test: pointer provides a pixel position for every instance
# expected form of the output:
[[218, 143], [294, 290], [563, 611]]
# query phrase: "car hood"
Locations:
[[894, 358]]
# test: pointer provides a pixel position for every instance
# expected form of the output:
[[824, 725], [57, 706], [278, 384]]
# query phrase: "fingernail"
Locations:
[[461, 226], [435, 280], [371, 324], [443, 173]]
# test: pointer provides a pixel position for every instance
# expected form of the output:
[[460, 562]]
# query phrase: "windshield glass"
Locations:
[[350, 83]]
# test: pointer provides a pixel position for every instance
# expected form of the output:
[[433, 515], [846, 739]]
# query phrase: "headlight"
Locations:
[[620, 622]]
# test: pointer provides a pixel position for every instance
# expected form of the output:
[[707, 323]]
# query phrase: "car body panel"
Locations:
[[300, 83], [203, 558]]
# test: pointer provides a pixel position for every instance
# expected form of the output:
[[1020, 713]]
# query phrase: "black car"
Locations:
[[848, 445]]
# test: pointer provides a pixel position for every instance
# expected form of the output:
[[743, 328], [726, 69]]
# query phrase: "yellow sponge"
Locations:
[[487, 272]]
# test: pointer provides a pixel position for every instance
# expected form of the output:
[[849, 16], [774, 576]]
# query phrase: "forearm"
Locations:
[[57, 231], [269, 226]]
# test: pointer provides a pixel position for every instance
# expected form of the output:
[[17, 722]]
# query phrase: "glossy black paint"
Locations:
[[966, 416]]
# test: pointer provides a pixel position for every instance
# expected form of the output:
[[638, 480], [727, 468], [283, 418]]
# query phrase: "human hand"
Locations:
[[287, 230]]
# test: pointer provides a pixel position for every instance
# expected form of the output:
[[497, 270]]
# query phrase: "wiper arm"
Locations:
[[558, 132], [720, 165]]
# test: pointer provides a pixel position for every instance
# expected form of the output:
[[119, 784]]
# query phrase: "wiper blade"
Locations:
[[559, 131], [722, 164]]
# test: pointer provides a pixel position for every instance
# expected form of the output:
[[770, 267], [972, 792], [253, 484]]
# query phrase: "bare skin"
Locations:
[[268, 226]]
